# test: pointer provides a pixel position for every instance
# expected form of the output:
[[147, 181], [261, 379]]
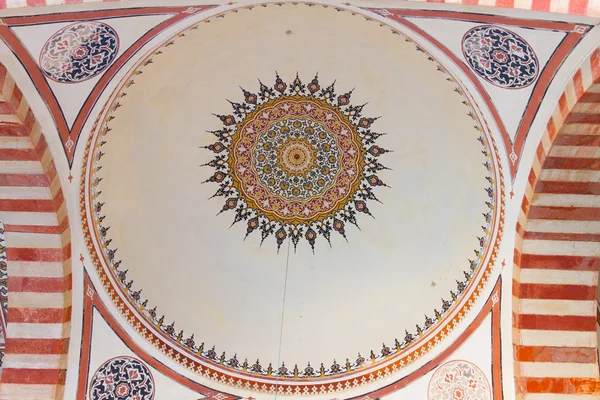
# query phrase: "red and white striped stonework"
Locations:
[[38, 237], [575, 7], [557, 253], [598, 323]]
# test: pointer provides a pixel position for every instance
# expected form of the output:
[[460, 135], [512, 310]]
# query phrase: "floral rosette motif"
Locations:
[[500, 56], [122, 378], [79, 52], [459, 380], [296, 161]]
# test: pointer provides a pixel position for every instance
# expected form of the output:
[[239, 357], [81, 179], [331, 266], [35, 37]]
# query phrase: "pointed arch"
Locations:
[[557, 252], [38, 243]]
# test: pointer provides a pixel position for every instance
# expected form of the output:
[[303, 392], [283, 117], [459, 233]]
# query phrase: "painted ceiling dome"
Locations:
[[302, 162], [248, 201]]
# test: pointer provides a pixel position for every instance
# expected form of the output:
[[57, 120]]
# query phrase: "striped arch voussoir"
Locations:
[[38, 242], [557, 252]]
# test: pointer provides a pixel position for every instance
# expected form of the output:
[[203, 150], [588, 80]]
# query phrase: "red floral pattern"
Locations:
[[459, 380]]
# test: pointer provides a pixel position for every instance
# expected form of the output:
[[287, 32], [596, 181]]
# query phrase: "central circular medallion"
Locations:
[[296, 158], [300, 161]]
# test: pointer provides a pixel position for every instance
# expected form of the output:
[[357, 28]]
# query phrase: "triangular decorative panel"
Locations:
[[72, 57], [106, 346], [529, 52], [511, 102], [107, 350], [38, 41]]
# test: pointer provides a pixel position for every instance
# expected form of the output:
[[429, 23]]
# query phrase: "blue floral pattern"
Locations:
[[500, 56], [122, 378], [79, 52]]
